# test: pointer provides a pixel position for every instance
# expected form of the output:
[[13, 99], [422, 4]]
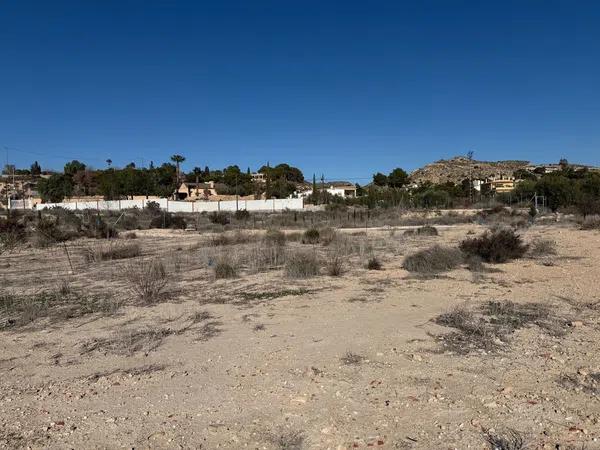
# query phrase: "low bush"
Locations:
[[434, 259], [237, 237], [22, 310], [241, 215], [302, 264], [591, 222], [112, 251], [327, 235], [426, 230], [295, 236], [542, 247], [219, 218], [274, 237], [374, 264], [168, 220], [12, 232], [98, 228], [262, 257], [335, 265], [311, 236], [495, 246], [148, 279], [129, 222], [224, 268]]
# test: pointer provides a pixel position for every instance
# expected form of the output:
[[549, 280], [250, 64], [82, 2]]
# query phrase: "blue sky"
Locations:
[[340, 88]]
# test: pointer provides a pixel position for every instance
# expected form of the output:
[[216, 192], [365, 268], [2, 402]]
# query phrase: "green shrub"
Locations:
[[496, 246]]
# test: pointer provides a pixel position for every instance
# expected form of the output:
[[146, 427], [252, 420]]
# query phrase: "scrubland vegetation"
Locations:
[[284, 309]]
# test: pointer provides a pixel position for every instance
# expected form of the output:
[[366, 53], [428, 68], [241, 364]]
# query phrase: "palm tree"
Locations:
[[177, 159]]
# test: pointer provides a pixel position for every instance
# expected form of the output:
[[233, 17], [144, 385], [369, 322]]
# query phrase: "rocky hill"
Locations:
[[458, 168]]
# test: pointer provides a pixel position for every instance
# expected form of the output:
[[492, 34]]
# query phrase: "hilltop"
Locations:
[[458, 168]]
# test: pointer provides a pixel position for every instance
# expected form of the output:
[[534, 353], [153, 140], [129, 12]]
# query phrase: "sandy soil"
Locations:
[[266, 362]]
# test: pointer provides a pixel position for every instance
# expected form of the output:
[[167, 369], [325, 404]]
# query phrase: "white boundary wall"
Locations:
[[187, 207]]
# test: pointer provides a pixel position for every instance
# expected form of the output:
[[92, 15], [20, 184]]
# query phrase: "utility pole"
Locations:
[[236, 192], [470, 157], [7, 190]]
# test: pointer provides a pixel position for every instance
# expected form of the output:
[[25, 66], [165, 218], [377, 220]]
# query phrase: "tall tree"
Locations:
[[71, 168], [36, 170], [397, 178], [109, 162], [315, 197], [178, 159], [380, 179]]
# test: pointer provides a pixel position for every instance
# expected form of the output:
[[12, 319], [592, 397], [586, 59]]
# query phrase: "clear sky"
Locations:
[[342, 88]]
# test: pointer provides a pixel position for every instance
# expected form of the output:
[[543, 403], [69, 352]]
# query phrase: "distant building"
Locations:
[[342, 189], [259, 177], [498, 185], [195, 191]]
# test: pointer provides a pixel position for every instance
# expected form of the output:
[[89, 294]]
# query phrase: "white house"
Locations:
[[340, 188]]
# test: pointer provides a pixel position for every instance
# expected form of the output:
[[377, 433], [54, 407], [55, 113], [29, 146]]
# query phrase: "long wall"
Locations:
[[188, 207]]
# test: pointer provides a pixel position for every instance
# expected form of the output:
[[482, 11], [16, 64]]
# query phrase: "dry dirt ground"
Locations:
[[267, 362]]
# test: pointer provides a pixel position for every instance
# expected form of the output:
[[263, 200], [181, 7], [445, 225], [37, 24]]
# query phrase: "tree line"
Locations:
[[112, 183]]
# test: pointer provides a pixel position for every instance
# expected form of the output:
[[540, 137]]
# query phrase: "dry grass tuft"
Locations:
[[302, 264], [588, 383], [433, 260], [335, 265], [287, 440], [17, 310], [311, 236], [426, 230], [148, 279], [112, 251], [128, 342], [224, 268], [591, 222], [352, 359], [510, 440], [374, 264], [327, 235], [274, 238], [490, 327], [542, 247]]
